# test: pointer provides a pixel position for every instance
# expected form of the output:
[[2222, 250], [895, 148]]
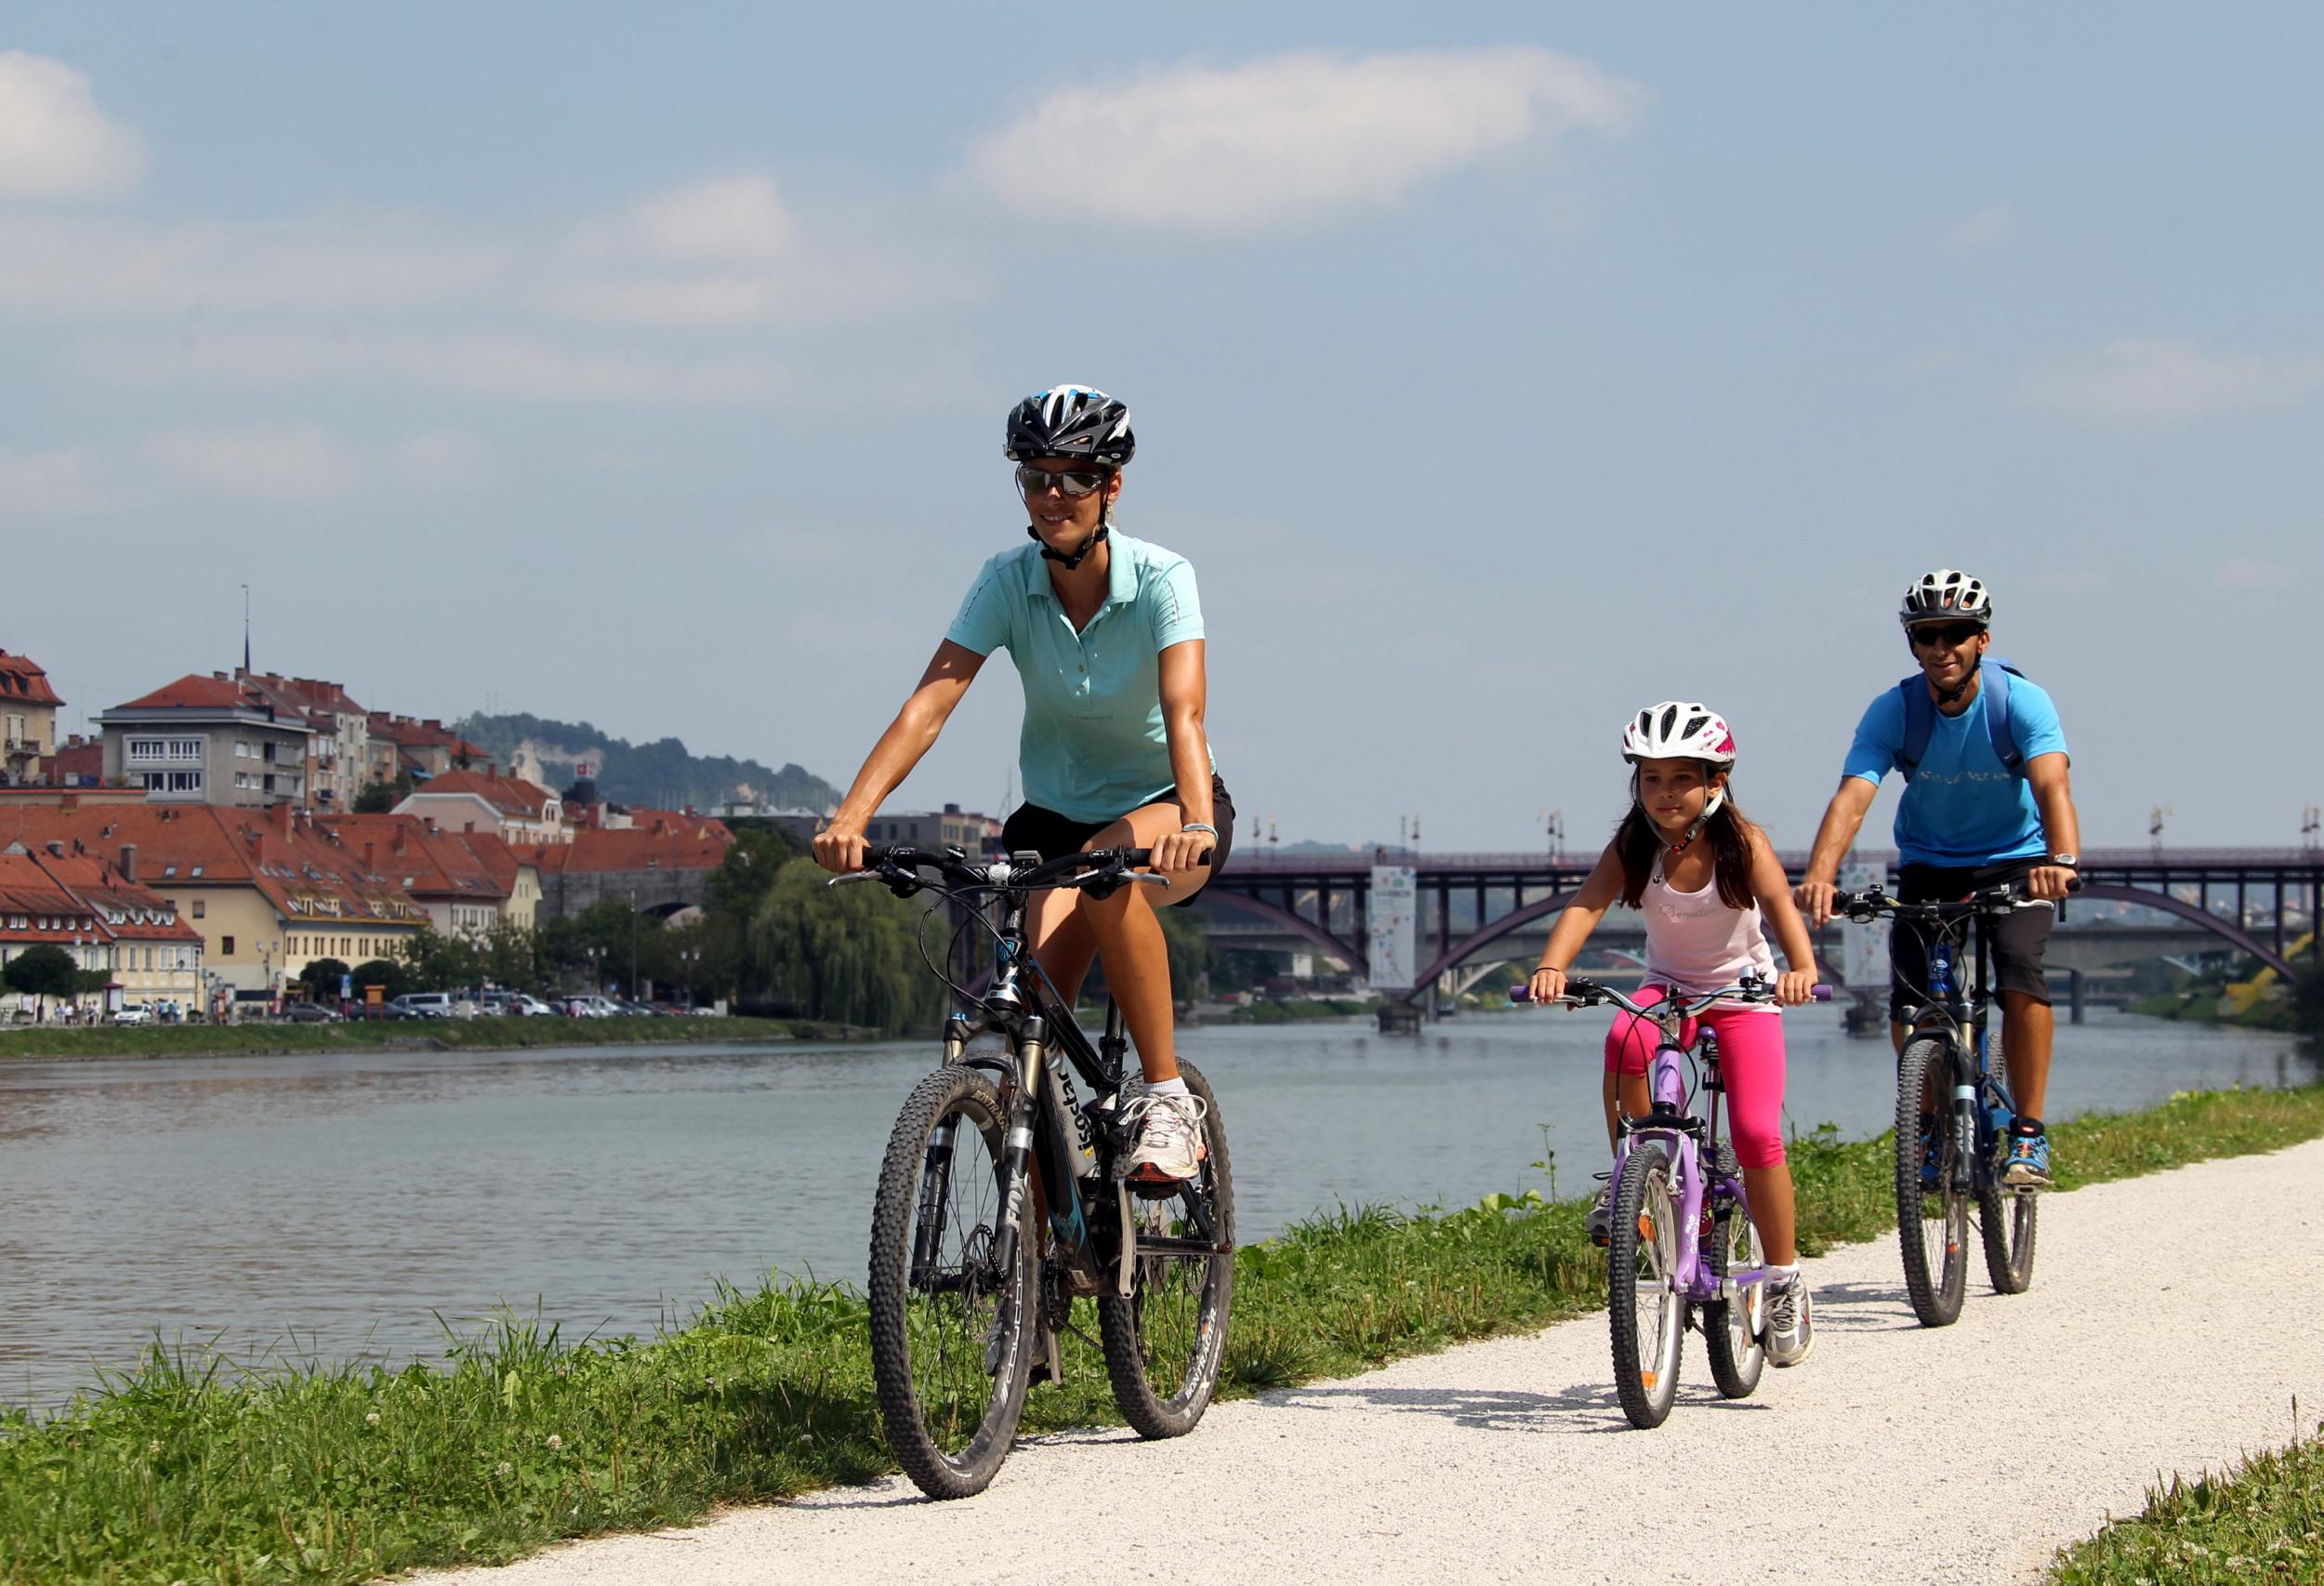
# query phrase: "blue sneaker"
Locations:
[[2028, 1162]]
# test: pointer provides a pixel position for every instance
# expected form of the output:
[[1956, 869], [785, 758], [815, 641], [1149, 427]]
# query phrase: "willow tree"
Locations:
[[846, 953]]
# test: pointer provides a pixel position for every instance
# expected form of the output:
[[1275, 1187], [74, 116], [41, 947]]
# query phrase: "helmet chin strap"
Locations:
[[1711, 807], [1947, 696], [1096, 536]]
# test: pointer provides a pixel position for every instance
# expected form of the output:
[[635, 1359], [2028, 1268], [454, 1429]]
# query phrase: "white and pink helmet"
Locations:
[[1678, 730]]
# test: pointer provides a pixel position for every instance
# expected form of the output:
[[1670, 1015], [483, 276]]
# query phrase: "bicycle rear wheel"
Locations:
[[1163, 1343], [1931, 1225], [952, 1333], [1734, 1331], [1644, 1307], [2005, 1225]]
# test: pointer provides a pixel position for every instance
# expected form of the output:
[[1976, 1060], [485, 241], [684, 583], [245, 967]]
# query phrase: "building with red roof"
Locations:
[[661, 863], [469, 881], [338, 755], [58, 896], [517, 812], [268, 890], [209, 740], [27, 716], [424, 749]]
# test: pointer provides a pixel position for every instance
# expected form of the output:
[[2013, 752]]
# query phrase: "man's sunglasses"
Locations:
[[1072, 482], [1950, 636]]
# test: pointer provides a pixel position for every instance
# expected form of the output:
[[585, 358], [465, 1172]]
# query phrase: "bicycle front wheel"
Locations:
[[1644, 1305], [952, 1331], [1165, 1340], [1932, 1221], [1734, 1331]]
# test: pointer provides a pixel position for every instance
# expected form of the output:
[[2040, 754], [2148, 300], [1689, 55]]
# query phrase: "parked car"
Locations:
[[513, 1004], [138, 1015], [423, 1004], [309, 1014]]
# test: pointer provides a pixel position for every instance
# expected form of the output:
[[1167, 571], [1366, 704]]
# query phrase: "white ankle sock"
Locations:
[[1777, 1274], [1173, 1086]]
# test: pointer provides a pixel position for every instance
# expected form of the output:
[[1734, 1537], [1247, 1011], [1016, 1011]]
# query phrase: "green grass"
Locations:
[[2262, 1521], [187, 1468], [374, 1034]]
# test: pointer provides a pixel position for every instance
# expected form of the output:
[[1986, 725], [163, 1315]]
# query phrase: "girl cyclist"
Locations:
[[1106, 634], [1706, 904]]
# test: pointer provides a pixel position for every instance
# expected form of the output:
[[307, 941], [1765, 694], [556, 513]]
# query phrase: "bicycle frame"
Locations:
[[1056, 1149]]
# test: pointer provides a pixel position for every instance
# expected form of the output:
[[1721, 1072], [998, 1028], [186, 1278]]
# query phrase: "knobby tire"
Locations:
[[1642, 1253], [949, 1419], [1933, 1226]]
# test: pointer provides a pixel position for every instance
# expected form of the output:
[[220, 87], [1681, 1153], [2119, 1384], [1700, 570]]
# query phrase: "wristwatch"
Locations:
[[2066, 859]]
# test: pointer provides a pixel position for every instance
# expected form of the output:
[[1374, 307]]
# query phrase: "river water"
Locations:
[[335, 1205]]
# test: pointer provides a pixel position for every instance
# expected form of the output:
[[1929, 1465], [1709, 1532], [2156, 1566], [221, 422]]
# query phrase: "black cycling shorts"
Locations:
[[1049, 834], [2017, 940]]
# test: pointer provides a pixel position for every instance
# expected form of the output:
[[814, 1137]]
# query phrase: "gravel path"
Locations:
[[2168, 1328]]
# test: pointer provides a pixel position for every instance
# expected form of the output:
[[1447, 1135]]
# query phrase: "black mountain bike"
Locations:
[[1002, 1199], [1947, 1069]]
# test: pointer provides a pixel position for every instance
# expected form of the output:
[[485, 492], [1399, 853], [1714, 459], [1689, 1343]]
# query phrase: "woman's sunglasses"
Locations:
[[1948, 637], [1072, 482]]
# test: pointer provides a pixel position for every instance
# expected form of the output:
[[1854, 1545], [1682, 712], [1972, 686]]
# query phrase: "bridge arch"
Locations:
[[1471, 946], [2194, 913], [1322, 940]]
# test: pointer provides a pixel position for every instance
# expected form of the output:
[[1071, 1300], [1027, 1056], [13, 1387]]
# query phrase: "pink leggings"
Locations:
[[1750, 1066]]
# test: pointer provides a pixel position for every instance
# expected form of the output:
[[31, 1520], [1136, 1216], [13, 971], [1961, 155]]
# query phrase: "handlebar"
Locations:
[[1099, 870], [1863, 905], [1580, 993]]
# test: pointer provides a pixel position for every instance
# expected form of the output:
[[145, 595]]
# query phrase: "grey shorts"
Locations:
[[2017, 940]]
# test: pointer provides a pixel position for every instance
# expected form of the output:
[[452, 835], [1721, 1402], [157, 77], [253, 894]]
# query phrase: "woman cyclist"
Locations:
[[1706, 902], [1106, 634]]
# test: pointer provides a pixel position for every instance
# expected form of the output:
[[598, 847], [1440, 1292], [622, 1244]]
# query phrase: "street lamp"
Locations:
[[688, 958]]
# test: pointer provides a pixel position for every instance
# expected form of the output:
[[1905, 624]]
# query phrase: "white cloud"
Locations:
[[2251, 575], [69, 481], [442, 461], [1291, 140], [259, 462], [54, 142], [511, 368], [1980, 230], [96, 267], [304, 464], [740, 221], [2154, 379]]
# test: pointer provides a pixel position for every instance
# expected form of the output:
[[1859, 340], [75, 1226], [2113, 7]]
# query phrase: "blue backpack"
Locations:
[[1992, 698]]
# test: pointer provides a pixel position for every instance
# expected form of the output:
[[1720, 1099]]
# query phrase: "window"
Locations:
[[226, 945], [200, 906]]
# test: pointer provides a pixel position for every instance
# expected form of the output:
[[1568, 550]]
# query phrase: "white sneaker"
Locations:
[[1790, 1321], [1169, 1136]]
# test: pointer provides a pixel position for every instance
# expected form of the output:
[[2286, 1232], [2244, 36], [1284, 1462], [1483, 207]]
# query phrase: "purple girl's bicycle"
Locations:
[[1682, 1245]]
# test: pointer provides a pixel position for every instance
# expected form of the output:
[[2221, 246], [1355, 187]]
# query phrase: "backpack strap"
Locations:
[[1992, 699], [1920, 723]]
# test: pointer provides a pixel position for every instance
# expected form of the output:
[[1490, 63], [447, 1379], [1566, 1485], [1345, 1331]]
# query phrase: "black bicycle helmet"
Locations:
[[1070, 421]]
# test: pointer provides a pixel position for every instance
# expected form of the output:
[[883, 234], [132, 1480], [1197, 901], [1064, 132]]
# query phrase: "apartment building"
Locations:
[[208, 740], [339, 762], [517, 812], [469, 881]]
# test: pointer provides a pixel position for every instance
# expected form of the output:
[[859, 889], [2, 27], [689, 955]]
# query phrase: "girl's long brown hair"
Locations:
[[1636, 843]]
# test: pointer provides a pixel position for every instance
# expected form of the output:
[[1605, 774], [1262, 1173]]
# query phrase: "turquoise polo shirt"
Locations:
[[1094, 747]]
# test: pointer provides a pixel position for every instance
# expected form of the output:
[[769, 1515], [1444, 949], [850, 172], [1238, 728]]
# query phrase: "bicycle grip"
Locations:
[[1521, 994], [1821, 993]]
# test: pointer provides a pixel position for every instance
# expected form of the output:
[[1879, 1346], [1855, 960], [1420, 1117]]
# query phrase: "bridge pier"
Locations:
[[1399, 1018]]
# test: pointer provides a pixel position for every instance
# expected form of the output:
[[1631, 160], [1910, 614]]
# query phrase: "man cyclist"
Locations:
[[1107, 636], [1986, 804]]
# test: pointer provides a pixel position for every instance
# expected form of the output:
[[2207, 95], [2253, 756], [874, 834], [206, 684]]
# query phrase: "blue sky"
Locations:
[[1501, 369]]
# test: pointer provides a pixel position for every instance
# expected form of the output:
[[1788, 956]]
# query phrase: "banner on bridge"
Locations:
[[1393, 919], [1864, 948]]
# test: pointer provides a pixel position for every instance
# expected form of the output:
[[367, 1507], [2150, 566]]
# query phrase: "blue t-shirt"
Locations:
[[1094, 747], [1963, 807]]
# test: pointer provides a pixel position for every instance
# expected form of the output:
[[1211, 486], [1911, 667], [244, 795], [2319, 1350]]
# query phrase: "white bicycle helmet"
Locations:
[[1678, 730], [1947, 594]]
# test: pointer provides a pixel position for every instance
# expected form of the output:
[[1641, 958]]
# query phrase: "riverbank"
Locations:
[[178, 1468], [56, 1044]]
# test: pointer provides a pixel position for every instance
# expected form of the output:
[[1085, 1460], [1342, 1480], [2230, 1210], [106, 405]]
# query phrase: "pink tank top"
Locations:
[[1696, 943]]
